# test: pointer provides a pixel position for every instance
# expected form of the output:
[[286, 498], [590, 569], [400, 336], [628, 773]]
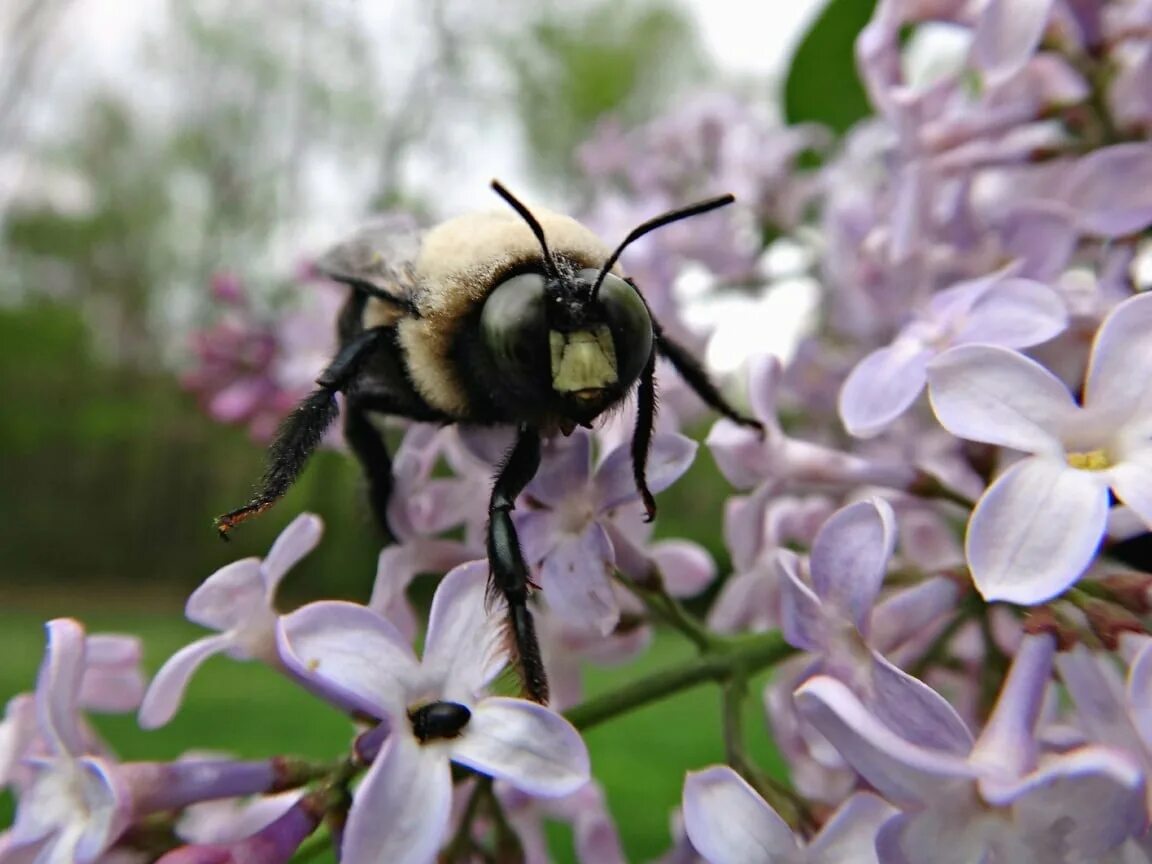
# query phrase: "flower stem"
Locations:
[[723, 657], [651, 592]]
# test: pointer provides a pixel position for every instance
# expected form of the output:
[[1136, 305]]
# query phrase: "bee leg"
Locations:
[[697, 377], [508, 571], [642, 434], [372, 453], [302, 430]]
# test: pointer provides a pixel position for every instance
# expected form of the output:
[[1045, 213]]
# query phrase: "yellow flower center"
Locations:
[[1090, 460]]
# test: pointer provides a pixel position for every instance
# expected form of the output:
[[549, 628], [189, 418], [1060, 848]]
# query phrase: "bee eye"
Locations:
[[631, 326], [514, 325]]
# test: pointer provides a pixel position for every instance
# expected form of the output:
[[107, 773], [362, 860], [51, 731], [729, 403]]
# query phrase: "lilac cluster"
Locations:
[[251, 366], [923, 542]]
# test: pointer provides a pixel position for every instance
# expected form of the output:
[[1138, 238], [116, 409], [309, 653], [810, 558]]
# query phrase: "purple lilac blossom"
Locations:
[[564, 532], [359, 658], [252, 368], [996, 310], [237, 600], [1036, 529], [1001, 801], [274, 843], [594, 834], [77, 799], [729, 823]]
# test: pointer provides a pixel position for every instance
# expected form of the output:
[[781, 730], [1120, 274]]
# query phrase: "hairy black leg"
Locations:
[[509, 573], [642, 434], [697, 377], [372, 452], [302, 430]]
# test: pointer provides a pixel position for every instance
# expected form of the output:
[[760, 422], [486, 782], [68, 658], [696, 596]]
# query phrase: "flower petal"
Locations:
[[58, 686], [565, 464], [228, 597], [1035, 531], [1140, 693], [729, 823], [349, 651], [1006, 36], [803, 617], [850, 833], [996, 395], [166, 690], [1111, 189], [574, 577], [915, 711], [1097, 691], [1092, 800], [1132, 482], [686, 567], [400, 812], [294, 542], [1121, 363], [1017, 314], [1007, 746], [882, 386], [533, 748], [850, 558], [463, 641], [903, 773], [668, 458], [765, 374]]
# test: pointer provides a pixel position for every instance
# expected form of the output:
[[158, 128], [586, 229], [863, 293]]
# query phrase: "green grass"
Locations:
[[248, 710]]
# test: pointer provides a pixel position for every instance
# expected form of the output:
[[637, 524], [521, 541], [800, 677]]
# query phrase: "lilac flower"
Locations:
[[594, 834], [1000, 802], [566, 534], [236, 600], [113, 681], [1111, 189], [275, 843], [1037, 527], [359, 659], [746, 458], [729, 823], [997, 310], [252, 369], [227, 820], [1006, 35], [76, 805]]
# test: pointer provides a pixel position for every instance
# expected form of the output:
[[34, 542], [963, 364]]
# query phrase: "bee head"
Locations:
[[589, 328]]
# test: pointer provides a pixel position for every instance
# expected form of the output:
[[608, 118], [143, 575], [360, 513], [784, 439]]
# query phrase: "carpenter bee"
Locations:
[[519, 317]]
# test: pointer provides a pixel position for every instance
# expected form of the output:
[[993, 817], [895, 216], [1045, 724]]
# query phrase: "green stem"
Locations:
[[749, 653], [668, 607]]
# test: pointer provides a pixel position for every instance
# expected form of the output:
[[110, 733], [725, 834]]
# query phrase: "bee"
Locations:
[[513, 317]]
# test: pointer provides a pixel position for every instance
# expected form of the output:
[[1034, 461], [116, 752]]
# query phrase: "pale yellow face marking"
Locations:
[[583, 360], [1090, 460]]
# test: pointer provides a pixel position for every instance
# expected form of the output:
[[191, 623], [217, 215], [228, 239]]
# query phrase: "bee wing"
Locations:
[[379, 259]]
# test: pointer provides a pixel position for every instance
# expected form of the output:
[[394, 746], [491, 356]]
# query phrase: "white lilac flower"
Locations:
[[1000, 802], [1036, 529], [729, 823], [237, 600], [998, 309], [433, 712]]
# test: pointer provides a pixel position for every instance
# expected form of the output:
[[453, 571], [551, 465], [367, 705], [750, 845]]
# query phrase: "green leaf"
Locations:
[[822, 84]]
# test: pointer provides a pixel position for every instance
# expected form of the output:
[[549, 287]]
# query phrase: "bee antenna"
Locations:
[[658, 222], [526, 214]]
